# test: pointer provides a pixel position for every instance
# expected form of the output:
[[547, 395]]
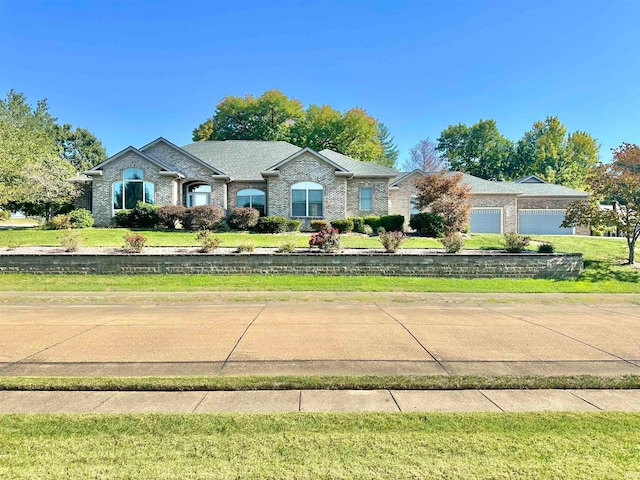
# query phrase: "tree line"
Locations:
[[38, 156]]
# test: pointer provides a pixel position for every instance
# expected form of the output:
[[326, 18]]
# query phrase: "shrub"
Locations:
[[5, 214], [59, 222], [392, 223], [294, 225], [81, 218], [246, 247], [358, 224], [134, 243], [546, 247], [243, 218], [453, 242], [428, 224], [343, 226], [122, 218], [367, 230], [287, 247], [70, 240], [272, 224], [327, 240], [144, 215], [319, 225], [514, 243], [207, 242], [203, 217], [391, 241], [170, 216], [373, 222]]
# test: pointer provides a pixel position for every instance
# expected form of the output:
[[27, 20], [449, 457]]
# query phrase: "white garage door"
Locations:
[[485, 220], [542, 222]]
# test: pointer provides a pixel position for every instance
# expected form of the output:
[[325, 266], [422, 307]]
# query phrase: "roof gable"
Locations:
[[301, 152], [530, 179], [182, 151], [163, 166]]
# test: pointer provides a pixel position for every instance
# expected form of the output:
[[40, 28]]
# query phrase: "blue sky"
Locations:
[[132, 71]]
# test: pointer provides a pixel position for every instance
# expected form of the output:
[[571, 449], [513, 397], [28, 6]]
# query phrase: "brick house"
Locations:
[[279, 178]]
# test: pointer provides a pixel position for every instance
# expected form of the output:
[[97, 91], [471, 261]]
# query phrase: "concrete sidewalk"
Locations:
[[320, 401], [446, 335]]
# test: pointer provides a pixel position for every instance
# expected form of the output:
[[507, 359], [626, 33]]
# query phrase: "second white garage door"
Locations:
[[541, 222], [485, 220]]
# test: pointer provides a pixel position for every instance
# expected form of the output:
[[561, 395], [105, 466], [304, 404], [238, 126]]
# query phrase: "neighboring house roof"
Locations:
[[478, 186], [241, 159], [547, 190], [360, 169]]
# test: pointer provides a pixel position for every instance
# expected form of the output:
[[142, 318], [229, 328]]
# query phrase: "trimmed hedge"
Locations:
[[80, 218], [358, 224], [294, 225], [170, 215], [272, 224], [343, 225], [319, 225], [392, 223], [204, 217], [373, 222], [428, 224]]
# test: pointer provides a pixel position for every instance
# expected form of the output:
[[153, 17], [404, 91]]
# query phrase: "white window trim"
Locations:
[[306, 186], [123, 181], [251, 195], [370, 199]]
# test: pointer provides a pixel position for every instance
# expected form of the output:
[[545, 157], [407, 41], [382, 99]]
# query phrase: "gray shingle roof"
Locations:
[[241, 159], [546, 190], [478, 185], [361, 169]]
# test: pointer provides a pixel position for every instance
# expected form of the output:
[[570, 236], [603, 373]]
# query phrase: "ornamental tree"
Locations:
[[618, 183], [444, 194]]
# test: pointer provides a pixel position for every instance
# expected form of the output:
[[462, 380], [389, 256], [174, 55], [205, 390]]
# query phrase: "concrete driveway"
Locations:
[[440, 335]]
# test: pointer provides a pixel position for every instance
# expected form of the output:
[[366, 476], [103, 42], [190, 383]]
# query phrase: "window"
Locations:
[[198, 195], [306, 199], [366, 199], [251, 198], [132, 189], [414, 205]]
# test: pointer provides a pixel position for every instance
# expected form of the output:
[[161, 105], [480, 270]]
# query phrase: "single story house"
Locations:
[[278, 178]]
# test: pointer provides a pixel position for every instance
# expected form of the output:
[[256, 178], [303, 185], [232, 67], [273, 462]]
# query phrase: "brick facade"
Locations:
[[379, 192], [307, 168]]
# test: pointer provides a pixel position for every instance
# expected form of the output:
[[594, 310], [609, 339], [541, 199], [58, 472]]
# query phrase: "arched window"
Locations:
[[306, 199], [198, 195], [251, 198], [414, 205], [132, 189]]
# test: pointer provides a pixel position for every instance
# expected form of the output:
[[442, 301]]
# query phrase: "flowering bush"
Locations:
[[453, 242], [134, 243], [207, 242], [327, 240], [391, 241]]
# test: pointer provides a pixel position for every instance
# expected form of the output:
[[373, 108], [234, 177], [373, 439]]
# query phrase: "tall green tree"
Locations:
[[79, 147], [267, 117], [549, 151], [32, 170], [619, 183], [479, 150], [390, 151], [274, 116]]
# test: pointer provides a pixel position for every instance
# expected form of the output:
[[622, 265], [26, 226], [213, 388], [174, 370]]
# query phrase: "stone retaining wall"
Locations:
[[503, 265]]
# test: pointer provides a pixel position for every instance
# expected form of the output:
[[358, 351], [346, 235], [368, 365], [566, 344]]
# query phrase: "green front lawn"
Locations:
[[603, 270], [316, 446]]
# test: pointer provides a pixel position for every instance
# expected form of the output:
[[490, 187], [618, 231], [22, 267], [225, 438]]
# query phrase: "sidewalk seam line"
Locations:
[[562, 334], [394, 400], [300, 400], [485, 396], [241, 337], [583, 399], [113, 394], [412, 336], [200, 402]]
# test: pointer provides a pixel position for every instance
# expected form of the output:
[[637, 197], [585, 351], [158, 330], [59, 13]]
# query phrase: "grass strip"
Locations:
[[331, 382], [259, 283], [320, 446]]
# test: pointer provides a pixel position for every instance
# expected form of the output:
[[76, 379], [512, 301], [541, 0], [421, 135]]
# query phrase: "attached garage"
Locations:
[[485, 220], [542, 222]]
